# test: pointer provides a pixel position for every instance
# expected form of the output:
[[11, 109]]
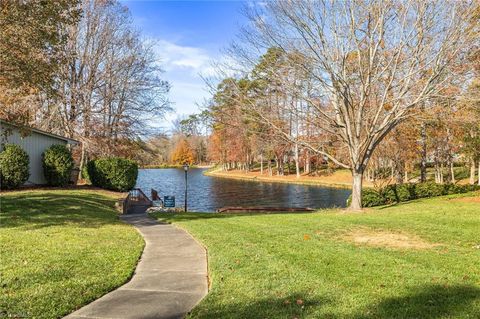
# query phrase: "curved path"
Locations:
[[170, 279]]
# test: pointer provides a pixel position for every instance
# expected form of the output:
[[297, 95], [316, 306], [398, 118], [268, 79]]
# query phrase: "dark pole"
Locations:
[[185, 189]]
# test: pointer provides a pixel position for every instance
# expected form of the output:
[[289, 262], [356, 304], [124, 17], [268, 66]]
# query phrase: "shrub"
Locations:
[[84, 173], [14, 167], [113, 173], [389, 194], [429, 189], [57, 165], [405, 192], [370, 198], [471, 188]]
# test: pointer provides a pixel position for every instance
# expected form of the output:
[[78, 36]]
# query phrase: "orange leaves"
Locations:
[[387, 106], [182, 153]]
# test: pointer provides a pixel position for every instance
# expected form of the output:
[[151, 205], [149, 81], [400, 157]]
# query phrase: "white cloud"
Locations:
[[184, 58], [184, 67]]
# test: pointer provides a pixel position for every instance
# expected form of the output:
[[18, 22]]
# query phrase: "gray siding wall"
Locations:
[[34, 144]]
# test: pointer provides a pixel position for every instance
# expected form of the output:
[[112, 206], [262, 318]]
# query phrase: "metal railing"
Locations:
[[135, 197]]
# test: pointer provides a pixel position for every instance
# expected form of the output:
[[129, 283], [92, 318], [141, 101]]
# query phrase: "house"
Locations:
[[34, 142]]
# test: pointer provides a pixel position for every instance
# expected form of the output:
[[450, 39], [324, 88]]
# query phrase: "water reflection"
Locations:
[[207, 194]]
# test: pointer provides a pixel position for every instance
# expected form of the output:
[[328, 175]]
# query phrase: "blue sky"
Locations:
[[189, 35]]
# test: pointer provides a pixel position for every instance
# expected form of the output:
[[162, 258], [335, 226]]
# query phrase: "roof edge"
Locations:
[[67, 139]]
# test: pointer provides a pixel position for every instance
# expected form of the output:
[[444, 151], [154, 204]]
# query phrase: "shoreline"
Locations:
[[274, 179], [173, 166]]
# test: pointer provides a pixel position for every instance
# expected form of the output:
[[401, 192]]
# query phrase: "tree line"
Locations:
[[377, 87]]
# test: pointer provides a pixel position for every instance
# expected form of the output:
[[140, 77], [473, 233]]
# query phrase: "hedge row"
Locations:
[[112, 173], [404, 192], [57, 164]]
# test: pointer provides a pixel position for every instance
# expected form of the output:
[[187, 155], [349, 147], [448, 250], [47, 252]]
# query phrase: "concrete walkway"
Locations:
[[170, 279]]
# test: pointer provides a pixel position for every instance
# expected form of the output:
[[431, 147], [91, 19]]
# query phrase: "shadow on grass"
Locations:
[[427, 302], [446, 198], [284, 307], [169, 217], [409, 202], [37, 210]]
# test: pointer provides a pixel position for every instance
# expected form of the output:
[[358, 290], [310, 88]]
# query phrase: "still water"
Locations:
[[207, 194]]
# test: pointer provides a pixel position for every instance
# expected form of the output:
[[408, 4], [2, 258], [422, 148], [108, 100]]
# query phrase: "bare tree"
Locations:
[[110, 88], [371, 64]]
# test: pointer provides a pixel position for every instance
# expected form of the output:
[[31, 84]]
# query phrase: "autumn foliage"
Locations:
[[183, 154]]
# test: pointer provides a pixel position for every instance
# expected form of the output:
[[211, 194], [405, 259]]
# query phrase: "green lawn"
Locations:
[[60, 250], [308, 265]]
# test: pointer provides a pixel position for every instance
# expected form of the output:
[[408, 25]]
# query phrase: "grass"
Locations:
[[461, 173], [307, 265], [61, 249]]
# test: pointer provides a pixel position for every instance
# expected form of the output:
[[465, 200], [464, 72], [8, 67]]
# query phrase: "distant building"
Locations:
[[34, 142]]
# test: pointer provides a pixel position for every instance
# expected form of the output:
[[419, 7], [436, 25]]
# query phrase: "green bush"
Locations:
[[84, 174], [389, 194], [14, 167], [113, 173], [471, 188], [397, 193], [430, 189], [57, 165], [370, 198], [455, 189], [405, 192]]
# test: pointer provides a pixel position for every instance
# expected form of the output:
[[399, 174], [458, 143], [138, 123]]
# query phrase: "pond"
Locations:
[[207, 194]]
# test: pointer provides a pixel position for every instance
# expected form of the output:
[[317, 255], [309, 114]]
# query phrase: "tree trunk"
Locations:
[[423, 162], [479, 172], [400, 170], [83, 160], [297, 164], [277, 160], [372, 175], [307, 162], [472, 171], [438, 173], [441, 173], [261, 164], [452, 173], [356, 204]]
